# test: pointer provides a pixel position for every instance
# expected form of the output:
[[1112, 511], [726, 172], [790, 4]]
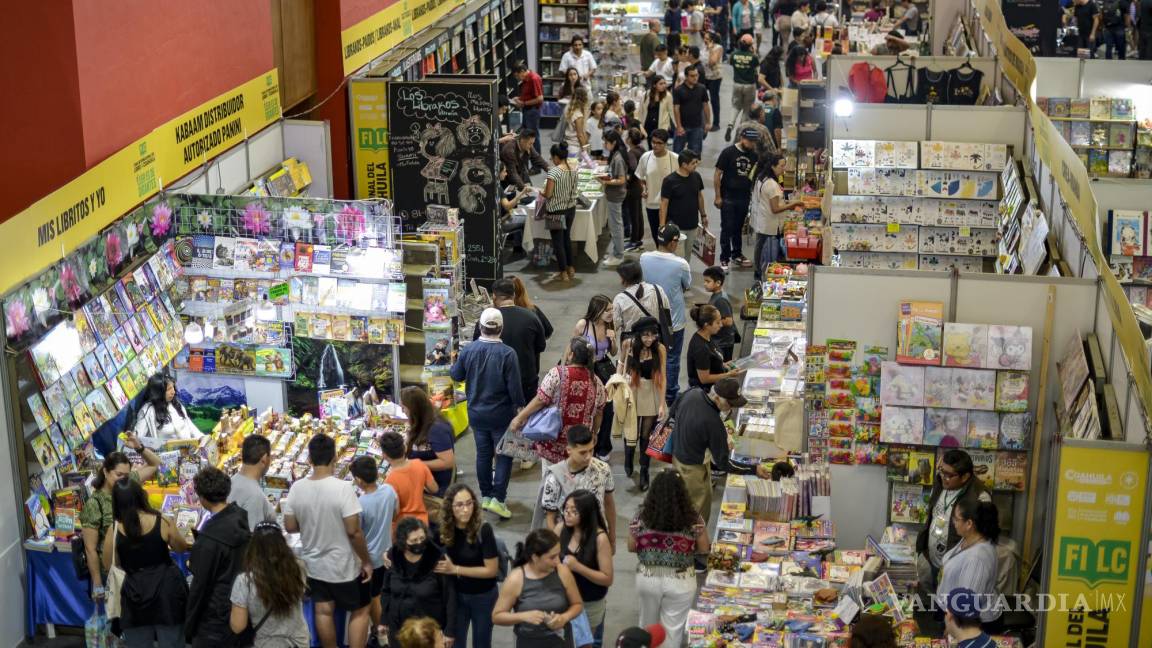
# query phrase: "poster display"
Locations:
[[1096, 544]]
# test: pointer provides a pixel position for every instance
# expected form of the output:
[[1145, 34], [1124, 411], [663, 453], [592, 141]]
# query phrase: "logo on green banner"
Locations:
[[1107, 561], [372, 139]]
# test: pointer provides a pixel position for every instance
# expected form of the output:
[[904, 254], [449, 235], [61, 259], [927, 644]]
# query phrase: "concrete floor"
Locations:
[[564, 305]]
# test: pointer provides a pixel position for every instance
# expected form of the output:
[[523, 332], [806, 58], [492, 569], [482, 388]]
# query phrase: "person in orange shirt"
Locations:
[[410, 478]]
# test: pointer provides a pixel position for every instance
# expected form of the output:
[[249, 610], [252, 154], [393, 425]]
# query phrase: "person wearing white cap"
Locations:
[[492, 375]]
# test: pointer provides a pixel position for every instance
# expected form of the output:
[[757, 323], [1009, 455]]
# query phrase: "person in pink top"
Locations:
[[800, 66]]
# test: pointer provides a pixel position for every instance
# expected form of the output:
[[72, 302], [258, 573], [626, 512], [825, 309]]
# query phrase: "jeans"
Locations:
[[1115, 36], [714, 96], [616, 226], [653, 223], [165, 636], [733, 213], [477, 610], [532, 120], [604, 434], [693, 138], [666, 600], [672, 368], [562, 242], [486, 441], [767, 251]]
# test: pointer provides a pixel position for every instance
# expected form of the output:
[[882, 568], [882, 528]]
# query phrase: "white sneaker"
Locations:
[[612, 262]]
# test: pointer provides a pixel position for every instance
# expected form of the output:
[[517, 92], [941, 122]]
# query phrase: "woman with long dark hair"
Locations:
[[706, 364], [542, 592], [269, 593], [799, 65], [571, 82], [430, 437], [154, 594], [615, 183], [575, 389], [96, 517], [657, 108], [586, 550], [473, 559], [634, 194], [972, 563], [596, 327], [667, 534], [768, 210], [412, 586], [643, 365], [560, 192], [163, 418]]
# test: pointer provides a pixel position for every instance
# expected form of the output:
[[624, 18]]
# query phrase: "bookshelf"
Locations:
[[1101, 130], [557, 23]]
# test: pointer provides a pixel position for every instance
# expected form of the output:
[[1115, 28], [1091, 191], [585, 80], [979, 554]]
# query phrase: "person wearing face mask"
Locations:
[[700, 432], [412, 588]]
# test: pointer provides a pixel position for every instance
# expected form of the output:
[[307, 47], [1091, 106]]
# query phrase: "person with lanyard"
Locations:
[[962, 621], [955, 480], [581, 59], [745, 66], [910, 20], [529, 101], [732, 182], [706, 365]]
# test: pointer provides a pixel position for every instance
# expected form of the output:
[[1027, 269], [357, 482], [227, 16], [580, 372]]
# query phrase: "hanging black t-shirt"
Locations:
[[931, 86], [683, 194], [964, 87], [691, 101], [736, 165], [702, 354]]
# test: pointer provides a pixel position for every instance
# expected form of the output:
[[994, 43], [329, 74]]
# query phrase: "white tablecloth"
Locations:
[[586, 227]]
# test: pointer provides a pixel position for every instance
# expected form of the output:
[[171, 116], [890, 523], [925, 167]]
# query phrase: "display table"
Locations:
[[586, 227], [54, 596]]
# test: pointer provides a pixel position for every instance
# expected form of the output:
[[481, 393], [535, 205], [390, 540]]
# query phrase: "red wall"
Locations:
[[40, 105], [141, 62]]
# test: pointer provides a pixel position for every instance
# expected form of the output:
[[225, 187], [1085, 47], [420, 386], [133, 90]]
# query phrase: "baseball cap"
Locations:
[[750, 133], [962, 603], [668, 233], [636, 637], [729, 390], [491, 318]]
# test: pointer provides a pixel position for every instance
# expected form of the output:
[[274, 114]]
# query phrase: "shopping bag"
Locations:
[[660, 440], [582, 631], [789, 414], [704, 247], [513, 444], [97, 629]]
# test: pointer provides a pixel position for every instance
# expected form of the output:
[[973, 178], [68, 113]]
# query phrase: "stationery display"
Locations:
[[1102, 131]]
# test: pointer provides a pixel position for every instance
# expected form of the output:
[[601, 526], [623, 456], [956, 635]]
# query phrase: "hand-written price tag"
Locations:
[[893, 228], [965, 231]]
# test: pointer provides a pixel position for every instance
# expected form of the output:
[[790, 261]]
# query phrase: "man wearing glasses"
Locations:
[[955, 480]]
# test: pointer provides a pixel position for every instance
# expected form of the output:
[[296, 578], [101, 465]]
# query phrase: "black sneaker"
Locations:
[[728, 134]]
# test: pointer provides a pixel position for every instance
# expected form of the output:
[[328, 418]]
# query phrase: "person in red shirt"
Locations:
[[530, 99]]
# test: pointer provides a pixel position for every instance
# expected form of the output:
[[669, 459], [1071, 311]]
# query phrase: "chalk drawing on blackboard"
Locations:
[[472, 198], [475, 171], [474, 132], [417, 104], [436, 144]]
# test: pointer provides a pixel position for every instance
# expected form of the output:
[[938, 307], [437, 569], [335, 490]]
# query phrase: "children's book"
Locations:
[[247, 250], [45, 452], [973, 389], [921, 466], [322, 259], [1081, 108], [58, 403], [1120, 135], [1119, 163], [1009, 347], [898, 463], [203, 250], [1121, 108], [100, 406], [901, 385], [1100, 108], [902, 425], [59, 443], [40, 412], [94, 369], [1014, 430], [965, 345], [83, 418], [984, 466], [80, 376], [38, 509], [303, 257], [937, 387], [1097, 162], [436, 296], [1080, 133], [908, 504], [287, 256], [1012, 391], [983, 429], [116, 394], [1059, 106], [947, 428], [1011, 470], [919, 332]]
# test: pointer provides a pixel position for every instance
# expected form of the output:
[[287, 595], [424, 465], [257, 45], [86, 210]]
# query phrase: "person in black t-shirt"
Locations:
[[705, 362], [682, 199], [725, 338], [733, 186], [1115, 16], [1144, 29], [472, 558], [692, 110], [1087, 17], [523, 332]]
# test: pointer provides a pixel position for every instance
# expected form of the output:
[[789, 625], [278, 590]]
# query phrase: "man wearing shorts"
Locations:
[[324, 510]]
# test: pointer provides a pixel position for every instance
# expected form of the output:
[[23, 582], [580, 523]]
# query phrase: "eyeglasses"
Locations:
[[571, 511], [463, 505], [947, 474]]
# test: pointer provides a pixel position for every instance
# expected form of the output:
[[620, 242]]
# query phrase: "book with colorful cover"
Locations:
[[902, 425], [321, 259], [1009, 347], [116, 394], [983, 429], [45, 451], [57, 402], [203, 250], [919, 332], [937, 387], [1121, 108], [1014, 430], [908, 503], [973, 389], [1080, 108], [897, 469], [40, 412], [984, 466], [947, 428], [1100, 108], [38, 509], [965, 345], [1011, 470], [303, 257], [94, 369], [1080, 133], [921, 466], [1012, 391], [901, 385]]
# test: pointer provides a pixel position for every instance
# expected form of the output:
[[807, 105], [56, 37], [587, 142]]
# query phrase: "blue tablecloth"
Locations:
[[54, 595]]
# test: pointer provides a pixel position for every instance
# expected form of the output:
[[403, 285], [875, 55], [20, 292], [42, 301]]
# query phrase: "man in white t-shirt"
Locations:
[[662, 65], [581, 59], [824, 18], [653, 167], [695, 30], [325, 511]]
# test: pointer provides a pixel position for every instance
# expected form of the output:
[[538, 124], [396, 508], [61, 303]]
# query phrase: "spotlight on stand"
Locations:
[[844, 107], [193, 333]]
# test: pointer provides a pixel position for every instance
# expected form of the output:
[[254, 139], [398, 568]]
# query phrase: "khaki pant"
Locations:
[[698, 480], [688, 243]]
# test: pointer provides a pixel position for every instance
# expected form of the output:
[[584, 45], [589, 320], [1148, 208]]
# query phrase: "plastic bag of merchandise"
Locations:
[[97, 630]]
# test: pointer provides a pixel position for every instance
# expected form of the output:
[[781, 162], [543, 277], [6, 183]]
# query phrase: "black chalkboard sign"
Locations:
[[442, 150]]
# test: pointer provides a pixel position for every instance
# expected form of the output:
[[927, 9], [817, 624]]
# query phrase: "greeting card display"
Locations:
[[902, 425], [973, 389], [1009, 347], [901, 155], [965, 345], [901, 385], [946, 428], [919, 332], [853, 153]]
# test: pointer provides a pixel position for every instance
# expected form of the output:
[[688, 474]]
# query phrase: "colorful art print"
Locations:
[[1009, 347], [273, 361], [244, 250], [919, 332], [937, 387], [1015, 430], [302, 257], [94, 369], [358, 331], [1129, 233], [436, 297], [984, 466], [1121, 108], [45, 451], [59, 443], [898, 463], [80, 377], [83, 418], [341, 326], [947, 428], [841, 456], [124, 379], [872, 358], [921, 466], [147, 281], [908, 504], [131, 334], [983, 429], [116, 394], [902, 425], [134, 292], [973, 389], [73, 436], [901, 385], [871, 453], [902, 155], [1012, 391], [99, 406], [40, 412], [965, 345], [127, 350], [1011, 470], [235, 359], [394, 331]]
